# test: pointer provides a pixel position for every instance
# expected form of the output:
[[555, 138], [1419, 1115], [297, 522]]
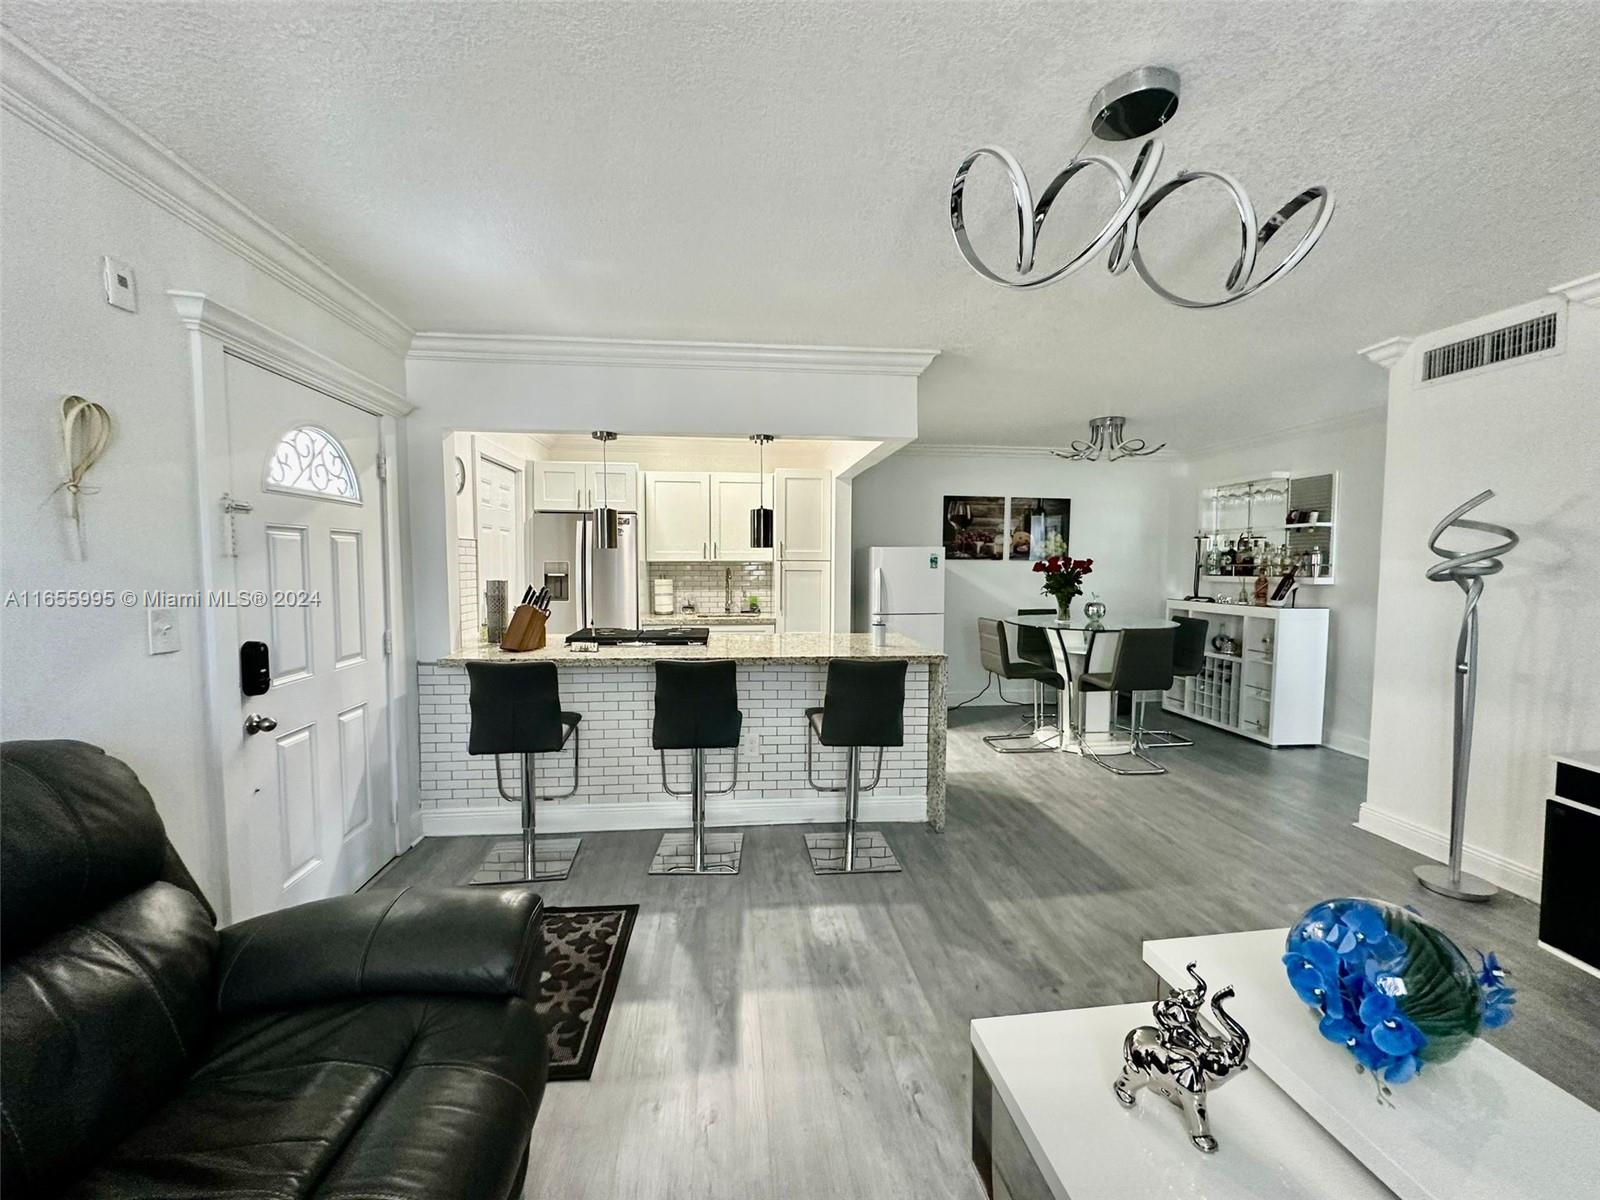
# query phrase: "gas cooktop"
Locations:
[[670, 635]]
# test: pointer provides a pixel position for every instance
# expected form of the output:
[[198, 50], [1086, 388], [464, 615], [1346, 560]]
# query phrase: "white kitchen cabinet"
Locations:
[[804, 517], [805, 596], [621, 484], [677, 516], [559, 487], [575, 486], [733, 495]]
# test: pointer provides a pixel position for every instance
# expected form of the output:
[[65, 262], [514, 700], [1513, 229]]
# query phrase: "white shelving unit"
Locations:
[[1273, 691]]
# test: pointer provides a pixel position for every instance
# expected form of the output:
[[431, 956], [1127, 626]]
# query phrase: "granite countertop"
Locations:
[[741, 647], [711, 619]]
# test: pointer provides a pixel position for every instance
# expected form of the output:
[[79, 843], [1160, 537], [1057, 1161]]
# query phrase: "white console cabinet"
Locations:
[[1272, 689]]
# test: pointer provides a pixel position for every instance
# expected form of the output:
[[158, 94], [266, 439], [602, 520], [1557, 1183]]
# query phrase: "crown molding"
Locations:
[[1333, 424], [961, 450], [1387, 352], [629, 352], [1584, 290], [44, 96], [268, 348]]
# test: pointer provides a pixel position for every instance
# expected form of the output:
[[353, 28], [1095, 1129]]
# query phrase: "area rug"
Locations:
[[584, 948]]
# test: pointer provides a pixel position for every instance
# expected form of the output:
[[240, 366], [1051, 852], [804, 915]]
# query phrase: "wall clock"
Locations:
[[461, 475]]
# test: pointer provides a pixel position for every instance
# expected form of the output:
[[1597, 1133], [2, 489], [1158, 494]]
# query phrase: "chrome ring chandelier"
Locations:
[[1132, 106]]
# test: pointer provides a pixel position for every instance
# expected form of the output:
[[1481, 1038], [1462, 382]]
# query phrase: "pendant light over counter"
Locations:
[[761, 515], [607, 535]]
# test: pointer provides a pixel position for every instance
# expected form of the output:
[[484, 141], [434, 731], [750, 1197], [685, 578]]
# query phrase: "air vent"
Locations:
[[1533, 336]]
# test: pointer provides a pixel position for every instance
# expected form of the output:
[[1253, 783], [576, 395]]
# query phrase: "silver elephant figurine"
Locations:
[[1177, 1059]]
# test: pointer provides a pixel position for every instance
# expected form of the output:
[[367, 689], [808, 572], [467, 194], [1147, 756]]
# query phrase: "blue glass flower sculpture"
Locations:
[[1390, 987]]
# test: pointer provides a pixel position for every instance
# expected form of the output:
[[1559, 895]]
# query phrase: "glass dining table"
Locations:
[[1079, 646]]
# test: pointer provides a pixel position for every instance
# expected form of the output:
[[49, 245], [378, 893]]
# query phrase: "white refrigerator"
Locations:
[[905, 589]]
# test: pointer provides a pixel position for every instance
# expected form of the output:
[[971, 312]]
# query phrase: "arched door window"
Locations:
[[310, 462]]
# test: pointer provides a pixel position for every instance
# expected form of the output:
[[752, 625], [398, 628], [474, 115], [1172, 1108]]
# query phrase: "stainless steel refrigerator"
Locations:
[[589, 587]]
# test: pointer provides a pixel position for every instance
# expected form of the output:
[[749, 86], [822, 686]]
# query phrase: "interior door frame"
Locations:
[[216, 333]]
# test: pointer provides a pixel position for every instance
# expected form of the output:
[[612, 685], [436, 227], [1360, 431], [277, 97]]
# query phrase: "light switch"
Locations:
[[163, 633], [118, 278]]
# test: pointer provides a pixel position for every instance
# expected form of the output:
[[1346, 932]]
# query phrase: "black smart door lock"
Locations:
[[255, 669]]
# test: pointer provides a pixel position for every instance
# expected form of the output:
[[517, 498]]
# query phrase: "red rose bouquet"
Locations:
[[1063, 579]]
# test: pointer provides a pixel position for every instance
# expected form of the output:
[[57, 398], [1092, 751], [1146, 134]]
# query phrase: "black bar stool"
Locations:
[[864, 706], [697, 709], [516, 709], [994, 652], [1143, 663], [1188, 658]]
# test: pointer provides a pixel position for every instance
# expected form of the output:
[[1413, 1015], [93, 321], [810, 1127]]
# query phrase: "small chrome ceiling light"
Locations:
[[607, 528], [1105, 440], [761, 515], [1132, 106]]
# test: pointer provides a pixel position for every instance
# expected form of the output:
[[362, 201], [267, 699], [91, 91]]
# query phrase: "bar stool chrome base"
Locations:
[[721, 854], [553, 858], [872, 856]]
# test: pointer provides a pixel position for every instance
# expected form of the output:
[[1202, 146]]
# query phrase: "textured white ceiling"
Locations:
[[779, 173]]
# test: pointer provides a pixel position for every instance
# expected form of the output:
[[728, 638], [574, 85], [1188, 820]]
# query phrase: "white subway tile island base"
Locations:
[[779, 677]]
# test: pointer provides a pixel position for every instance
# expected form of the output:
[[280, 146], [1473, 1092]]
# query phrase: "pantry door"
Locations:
[[311, 814]]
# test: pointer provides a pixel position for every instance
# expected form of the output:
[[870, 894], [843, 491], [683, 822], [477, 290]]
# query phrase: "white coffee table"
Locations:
[[1480, 1127], [1046, 1126]]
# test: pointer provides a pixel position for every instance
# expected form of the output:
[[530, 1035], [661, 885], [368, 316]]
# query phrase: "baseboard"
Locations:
[[667, 814], [1569, 958], [1496, 868], [1345, 743]]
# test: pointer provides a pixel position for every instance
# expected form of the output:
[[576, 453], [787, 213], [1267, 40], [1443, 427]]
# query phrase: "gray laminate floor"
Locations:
[[778, 1034]]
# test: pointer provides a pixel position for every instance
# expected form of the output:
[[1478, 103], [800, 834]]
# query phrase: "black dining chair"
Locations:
[[994, 652], [1188, 659], [1142, 663]]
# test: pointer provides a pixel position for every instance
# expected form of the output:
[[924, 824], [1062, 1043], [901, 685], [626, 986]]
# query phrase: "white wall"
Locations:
[[1120, 518], [1353, 448], [85, 673], [633, 388], [1530, 431]]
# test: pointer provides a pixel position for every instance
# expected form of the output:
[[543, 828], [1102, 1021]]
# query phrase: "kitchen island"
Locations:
[[780, 676]]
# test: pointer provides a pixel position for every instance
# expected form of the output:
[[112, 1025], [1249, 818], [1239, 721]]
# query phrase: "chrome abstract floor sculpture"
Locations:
[[1467, 570]]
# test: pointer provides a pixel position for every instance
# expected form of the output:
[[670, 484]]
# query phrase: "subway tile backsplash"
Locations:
[[705, 584]]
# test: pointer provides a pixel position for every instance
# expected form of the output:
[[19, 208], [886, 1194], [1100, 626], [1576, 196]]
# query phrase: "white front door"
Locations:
[[312, 817], [500, 528]]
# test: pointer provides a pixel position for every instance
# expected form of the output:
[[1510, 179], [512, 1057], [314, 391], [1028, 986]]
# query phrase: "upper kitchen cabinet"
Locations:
[[804, 517], [677, 516], [733, 496], [559, 486], [573, 486]]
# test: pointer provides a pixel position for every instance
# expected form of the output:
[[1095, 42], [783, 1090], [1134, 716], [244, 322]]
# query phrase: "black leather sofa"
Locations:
[[382, 1046]]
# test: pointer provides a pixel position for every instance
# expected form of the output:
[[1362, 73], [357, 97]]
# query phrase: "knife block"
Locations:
[[525, 631]]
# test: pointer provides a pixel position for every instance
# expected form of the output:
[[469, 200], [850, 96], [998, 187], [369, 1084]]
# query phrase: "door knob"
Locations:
[[256, 723]]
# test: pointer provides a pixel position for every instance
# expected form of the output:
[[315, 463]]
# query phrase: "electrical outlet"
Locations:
[[163, 630], [118, 278]]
